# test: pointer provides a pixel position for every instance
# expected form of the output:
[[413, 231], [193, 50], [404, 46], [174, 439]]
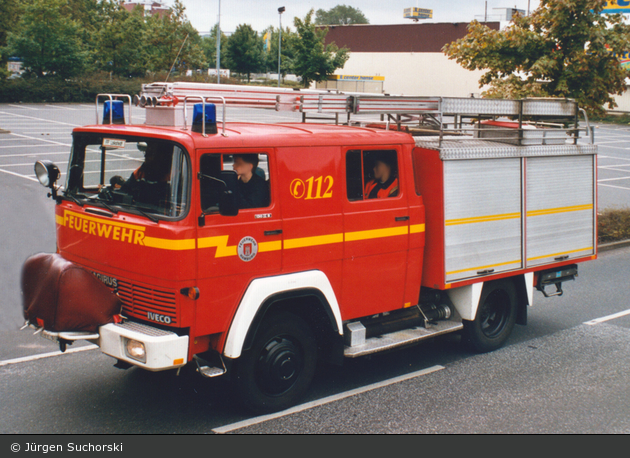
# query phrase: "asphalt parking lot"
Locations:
[[566, 372], [32, 132]]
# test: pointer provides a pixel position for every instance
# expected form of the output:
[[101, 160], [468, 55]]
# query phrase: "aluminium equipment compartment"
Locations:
[[493, 208]]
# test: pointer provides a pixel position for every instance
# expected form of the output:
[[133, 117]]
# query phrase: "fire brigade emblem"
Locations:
[[247, 249]]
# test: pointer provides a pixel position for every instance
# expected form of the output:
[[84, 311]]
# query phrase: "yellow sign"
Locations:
[[418, 13], [356, 78], [617, 6]]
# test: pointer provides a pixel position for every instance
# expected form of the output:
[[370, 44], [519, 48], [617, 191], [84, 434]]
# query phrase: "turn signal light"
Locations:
[[192, 292]]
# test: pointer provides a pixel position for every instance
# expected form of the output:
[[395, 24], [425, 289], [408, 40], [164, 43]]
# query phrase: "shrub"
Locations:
[[613, 225]]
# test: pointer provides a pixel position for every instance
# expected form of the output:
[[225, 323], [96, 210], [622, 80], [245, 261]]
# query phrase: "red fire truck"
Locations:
[[254, 250]]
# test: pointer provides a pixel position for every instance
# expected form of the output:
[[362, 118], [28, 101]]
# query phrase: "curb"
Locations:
[[613, 245]]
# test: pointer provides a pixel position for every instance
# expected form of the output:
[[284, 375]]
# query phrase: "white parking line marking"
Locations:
[[607, 318], [614, 147], [613, 186], [21, 106], [26, 359], [613, 157], [326, 400], [33, 155], [612, 166], [41, 140], [19, 175], [39, 119], [613, 179]]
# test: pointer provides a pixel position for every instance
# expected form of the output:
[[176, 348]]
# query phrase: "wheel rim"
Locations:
[[494, 313], [279, 366]]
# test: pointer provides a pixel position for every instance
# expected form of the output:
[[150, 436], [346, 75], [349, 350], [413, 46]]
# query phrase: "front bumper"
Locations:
[[164, 349]]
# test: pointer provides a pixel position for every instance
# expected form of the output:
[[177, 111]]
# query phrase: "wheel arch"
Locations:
[[466, 298], [307, 294]]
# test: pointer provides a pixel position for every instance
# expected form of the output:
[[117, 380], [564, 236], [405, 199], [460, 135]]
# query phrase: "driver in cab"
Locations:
[[148, 182]]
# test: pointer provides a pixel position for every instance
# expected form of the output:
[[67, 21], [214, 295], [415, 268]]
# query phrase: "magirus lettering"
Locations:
[[108, 281]]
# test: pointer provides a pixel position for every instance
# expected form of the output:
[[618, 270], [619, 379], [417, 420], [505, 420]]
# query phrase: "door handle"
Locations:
[[276, 232], [402, 218]]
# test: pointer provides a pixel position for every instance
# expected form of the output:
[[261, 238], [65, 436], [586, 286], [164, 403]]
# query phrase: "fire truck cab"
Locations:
[[253, 250]]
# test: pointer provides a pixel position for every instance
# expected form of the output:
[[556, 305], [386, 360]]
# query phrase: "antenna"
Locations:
[[176, 57]]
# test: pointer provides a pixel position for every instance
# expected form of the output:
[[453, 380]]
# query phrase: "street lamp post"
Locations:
[[280, 11], [219, 46]]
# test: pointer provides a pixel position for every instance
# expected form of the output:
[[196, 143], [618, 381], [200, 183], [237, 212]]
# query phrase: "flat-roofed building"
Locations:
[[408, 57]]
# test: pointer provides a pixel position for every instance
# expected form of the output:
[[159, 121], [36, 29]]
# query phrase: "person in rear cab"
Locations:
[[252, 189], [385, 182]]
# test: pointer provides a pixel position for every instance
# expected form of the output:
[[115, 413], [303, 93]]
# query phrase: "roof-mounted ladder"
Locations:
[[525, 121]]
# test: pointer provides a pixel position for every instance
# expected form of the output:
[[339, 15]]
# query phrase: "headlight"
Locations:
[[47, 173], [135, 350]]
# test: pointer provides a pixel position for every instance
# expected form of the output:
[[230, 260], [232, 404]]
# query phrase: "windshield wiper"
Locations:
[[139, 210], [106, 205], [73, 199]]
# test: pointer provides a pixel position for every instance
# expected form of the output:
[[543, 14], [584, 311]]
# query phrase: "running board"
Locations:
[[399, 338]]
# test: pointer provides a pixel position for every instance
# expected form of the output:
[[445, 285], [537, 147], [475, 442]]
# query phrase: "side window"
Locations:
[[371, 174], [251, 186]]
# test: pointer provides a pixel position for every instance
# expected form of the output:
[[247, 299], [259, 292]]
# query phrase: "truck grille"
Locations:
[[145, 303]]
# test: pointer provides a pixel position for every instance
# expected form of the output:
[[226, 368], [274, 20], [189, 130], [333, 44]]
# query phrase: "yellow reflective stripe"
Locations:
[[376, 233], [518, 261], [59, 220], [416, 228], [482, 219], [220, 242], [304, 242], [551, 211], [269, 246], [169, 244], [560, 254]]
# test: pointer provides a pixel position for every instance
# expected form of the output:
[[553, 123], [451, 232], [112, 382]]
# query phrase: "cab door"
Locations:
[[376, 236], [233, 250]]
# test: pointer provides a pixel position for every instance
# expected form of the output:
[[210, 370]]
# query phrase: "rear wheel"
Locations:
[[278, 369], [495, 317]]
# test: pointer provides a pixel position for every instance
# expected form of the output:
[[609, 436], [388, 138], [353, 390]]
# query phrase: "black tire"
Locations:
[[277, 370], [495, 317]]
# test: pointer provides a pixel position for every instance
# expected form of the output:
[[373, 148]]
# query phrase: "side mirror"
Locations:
[[47, 173], [228, 201]]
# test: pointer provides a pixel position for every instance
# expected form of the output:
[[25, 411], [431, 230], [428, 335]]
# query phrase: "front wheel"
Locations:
[[495, 317], [278, 369]]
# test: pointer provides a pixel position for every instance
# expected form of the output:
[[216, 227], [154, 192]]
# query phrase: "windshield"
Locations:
[[145, 175]]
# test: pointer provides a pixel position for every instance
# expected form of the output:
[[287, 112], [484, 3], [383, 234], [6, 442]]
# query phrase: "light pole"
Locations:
[[219, 46], [280, 11]]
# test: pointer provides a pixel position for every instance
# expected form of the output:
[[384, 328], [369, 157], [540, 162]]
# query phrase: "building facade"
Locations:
[[408, 57]]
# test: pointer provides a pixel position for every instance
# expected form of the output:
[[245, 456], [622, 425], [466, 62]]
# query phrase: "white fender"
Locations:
[[466, 299], [261, 289], [529, 287]]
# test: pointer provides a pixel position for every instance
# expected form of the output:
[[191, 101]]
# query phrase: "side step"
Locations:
[[400, 338], [207, 369]]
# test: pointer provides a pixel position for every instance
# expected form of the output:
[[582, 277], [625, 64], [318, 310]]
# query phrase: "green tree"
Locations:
[[48, 41], [120, 45], [171, 41], [288, 52], [340, 14], [9, 14], [314, 60], [209, 46], [566, 48], [245, 51]]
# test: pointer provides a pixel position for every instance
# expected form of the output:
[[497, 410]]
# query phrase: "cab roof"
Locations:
[[255, 135]]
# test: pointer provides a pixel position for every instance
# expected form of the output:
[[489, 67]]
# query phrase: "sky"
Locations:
[[260, 14]]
